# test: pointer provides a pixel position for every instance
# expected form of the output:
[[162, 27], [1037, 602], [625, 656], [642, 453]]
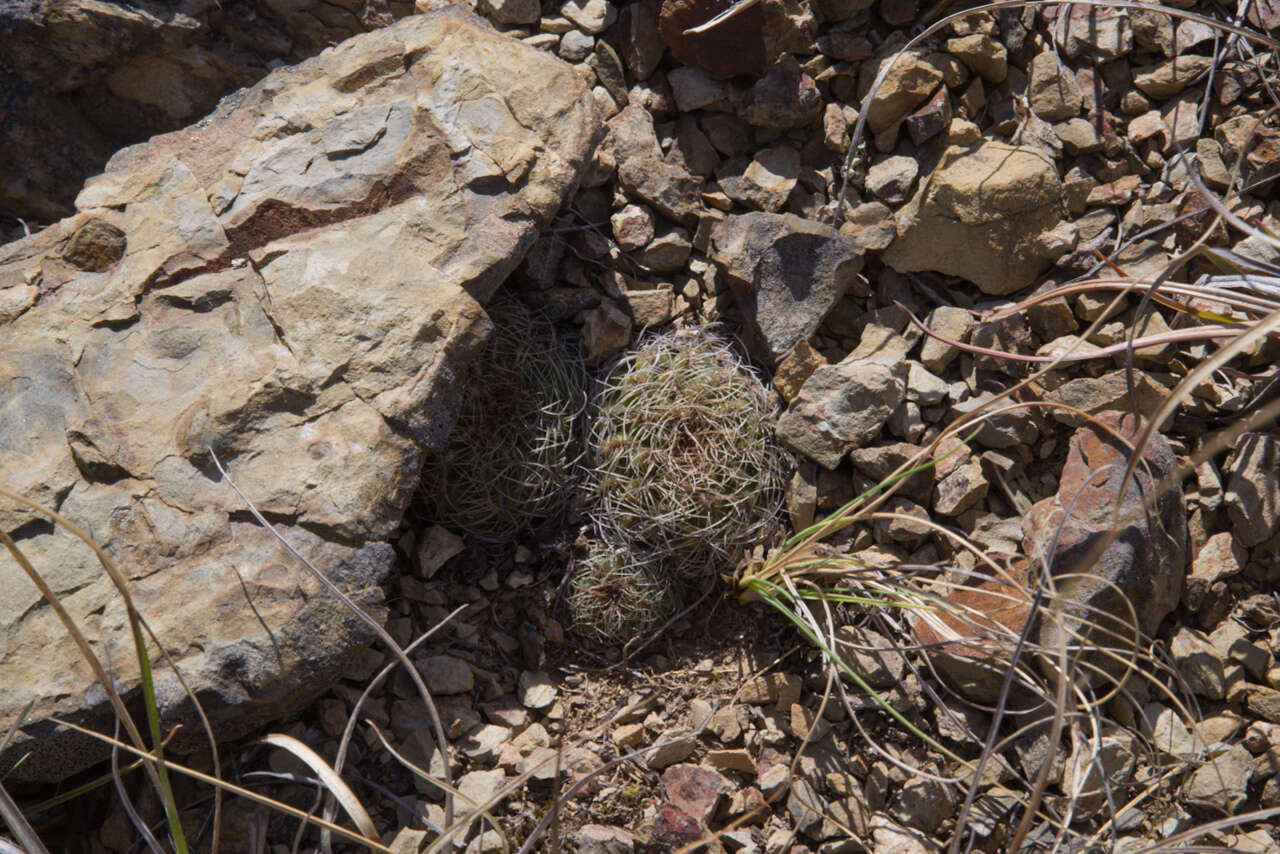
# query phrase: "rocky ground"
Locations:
[[1005, 154]]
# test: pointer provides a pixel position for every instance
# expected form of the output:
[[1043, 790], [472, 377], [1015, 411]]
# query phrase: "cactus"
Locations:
[[683, 454], [514, 458], [616, 594]]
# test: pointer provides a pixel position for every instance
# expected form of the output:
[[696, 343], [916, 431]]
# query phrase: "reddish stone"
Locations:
[[733, 48], [694, 790], [674, 827]]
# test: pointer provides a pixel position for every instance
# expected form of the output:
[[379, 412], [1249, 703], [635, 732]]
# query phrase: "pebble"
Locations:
[[536, 690]]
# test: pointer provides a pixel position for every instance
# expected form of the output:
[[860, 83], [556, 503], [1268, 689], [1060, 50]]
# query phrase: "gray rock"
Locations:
[[767, 181], [602, 839], [924, 803], [632, 146], [1223, 782], [590, 16], [1199, 663], [445, 674], [1098, 33], [982, 215], [1253, 489], [841, 406], [786, 273], [893, 178], [871, 655], [316, 398], [1052, 89], [805, 808]]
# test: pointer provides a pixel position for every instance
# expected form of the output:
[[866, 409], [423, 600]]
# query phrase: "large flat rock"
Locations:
[[297, 283]]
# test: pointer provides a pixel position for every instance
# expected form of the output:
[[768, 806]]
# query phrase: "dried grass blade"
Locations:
[[350, 803]]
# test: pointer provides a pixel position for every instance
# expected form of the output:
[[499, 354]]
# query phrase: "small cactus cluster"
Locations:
[[616, 594], [686, 472], [514, 459]]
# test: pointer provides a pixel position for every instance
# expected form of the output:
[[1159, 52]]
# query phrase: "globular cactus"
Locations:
[[616, 594], [683, 454], [515, 457]]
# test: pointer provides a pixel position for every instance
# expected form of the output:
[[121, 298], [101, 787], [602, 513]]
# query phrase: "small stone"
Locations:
[[732, 760], [1078, 136], [961, 490], [445, 674], [910, 80], [506, 711], [1221, 557], [674, 828], [1109, 391], [590, 16], [1052, 89], [1223, 782], [870, 225], [774, 781], [435, 547], [485, 743], [797, 367], [629, 735], [924, 803], [536, 691], [695, 89], [840, 406], [893, 178], [785, 273], [1168, 78], [983, 54], [725, 725], [602, 839], [891, 838], [949, 322], [784, 98], [408, 841], [871, 655], [1264, 702], [642, 46], [695, 790], [673, 746], [1199, 663], [606, 332], [700, 711], [1253, 489], [576, 46], [632, 227], [1099, 33], [805, 808], [767, 181], [475, 788], [983, 215], [934, 117], [650, 308], [668, 252]]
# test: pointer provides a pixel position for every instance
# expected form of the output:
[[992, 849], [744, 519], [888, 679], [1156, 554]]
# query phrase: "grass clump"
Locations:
[[616, 595], [514, 458], [685, 461]]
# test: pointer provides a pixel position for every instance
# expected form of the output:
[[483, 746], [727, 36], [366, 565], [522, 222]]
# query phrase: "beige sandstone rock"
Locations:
[[295, 284], [982, 215]]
